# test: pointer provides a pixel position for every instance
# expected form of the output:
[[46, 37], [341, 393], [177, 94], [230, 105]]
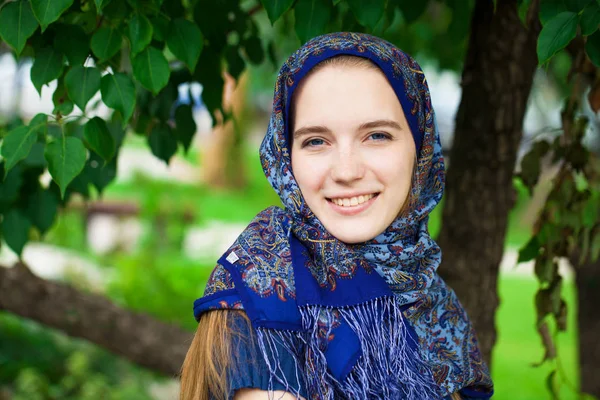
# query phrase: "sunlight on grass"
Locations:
[[519, 346]]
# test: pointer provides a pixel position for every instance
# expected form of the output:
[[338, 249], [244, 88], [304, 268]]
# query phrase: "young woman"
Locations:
[[337, 296]]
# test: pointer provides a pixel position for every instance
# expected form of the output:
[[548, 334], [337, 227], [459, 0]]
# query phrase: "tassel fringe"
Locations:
[[389, 367]]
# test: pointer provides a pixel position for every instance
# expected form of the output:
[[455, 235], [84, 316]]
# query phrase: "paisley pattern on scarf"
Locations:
[[347, 313], [218, 281]]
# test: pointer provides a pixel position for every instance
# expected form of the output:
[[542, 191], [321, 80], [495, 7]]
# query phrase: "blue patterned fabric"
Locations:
[[370, 320]]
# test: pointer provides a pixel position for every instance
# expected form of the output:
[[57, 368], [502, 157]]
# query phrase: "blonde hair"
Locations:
[[208, 360]]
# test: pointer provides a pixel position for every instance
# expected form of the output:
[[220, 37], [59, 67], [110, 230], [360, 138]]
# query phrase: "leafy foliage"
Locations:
[[43, 364], [561, 20], [568, 225]]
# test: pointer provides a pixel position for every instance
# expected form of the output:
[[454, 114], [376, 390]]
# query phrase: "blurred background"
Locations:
[[146, 232]]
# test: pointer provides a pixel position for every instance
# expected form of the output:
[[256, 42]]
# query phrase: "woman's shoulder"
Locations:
[[259, 262]]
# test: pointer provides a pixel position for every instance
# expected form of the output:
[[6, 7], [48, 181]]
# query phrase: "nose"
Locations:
[[347, 166]]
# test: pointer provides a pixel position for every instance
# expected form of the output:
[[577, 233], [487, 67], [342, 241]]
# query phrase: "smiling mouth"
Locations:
[[352, 201]]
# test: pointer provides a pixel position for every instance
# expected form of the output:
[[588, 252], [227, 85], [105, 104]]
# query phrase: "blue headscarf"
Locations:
[[369, 320]]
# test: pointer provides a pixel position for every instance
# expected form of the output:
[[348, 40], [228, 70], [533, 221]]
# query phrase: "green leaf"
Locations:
[[16, 230], [185, 125], [185, 41], [162, 142], [591, 211], [545, 270], [82, 83], [43, 206], [590, 18], [530, 251], [367, 12], [550, 9], [151, 69], [99, 173], [160, 28], [592, 48], [213, 17], [99, 139], [276, 8], [17, 24], [254, 50], [105, 43], [523, 8], [48, 11], [458, 30], [160, 106], [47, 66], [118, 133], [311, 19], [412, 10], [174, 9], [60, 99], [530, 169], [118, 92], [100, 4], [17, 144], [576, 5], [9, 188], [140, 33], [556, 34], [550, 384], [235, 62], [35, 158], [210, 76], [66, 158], [73, 42]]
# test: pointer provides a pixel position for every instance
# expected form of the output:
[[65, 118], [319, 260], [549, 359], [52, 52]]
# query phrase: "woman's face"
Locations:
[[353, 152]]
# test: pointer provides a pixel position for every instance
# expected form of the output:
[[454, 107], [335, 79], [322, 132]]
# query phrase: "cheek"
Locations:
[[393, 169], [307, 173]]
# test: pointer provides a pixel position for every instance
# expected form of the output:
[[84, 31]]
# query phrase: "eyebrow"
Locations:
[[379, 123]]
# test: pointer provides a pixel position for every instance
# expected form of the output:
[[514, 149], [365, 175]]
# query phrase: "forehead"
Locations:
[[343, 94]]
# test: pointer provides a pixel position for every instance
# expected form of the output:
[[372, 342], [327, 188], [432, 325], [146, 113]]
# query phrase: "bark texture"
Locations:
[[497, 78], [136, 337], [588, 298]]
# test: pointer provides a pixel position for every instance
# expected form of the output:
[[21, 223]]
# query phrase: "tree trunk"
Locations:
[[222, 154], [587, 277], [136, 337], [496, 81]]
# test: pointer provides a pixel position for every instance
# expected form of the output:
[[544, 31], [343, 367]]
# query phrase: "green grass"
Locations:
[[518, 345]]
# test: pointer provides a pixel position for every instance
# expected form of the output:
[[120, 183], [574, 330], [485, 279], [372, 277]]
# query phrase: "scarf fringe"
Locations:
[[271, 342], [389, 367]]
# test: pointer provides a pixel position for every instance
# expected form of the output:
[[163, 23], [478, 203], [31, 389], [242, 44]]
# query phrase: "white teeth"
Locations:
[[352, 201]]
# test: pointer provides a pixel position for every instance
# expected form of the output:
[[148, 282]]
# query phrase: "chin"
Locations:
[[353, 234]]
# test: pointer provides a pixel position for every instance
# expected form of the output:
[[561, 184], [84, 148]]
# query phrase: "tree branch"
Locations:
[[137, 337]]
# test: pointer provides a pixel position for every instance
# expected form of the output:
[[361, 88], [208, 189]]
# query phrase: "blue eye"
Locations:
[[379, 136], [314, 142]]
